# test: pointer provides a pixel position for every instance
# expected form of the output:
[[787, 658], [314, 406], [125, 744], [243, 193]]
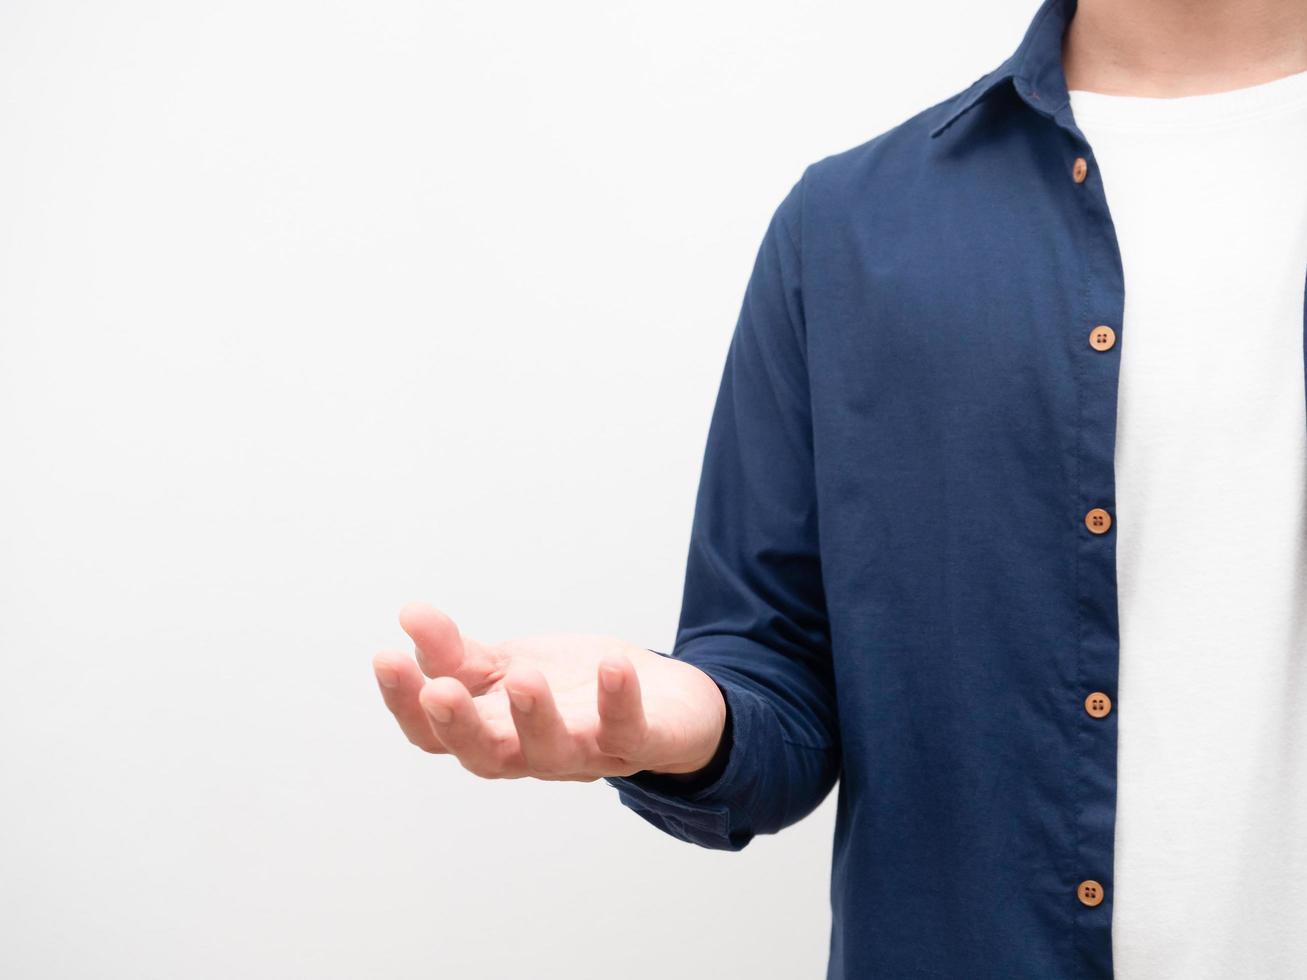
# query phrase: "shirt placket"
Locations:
[[1095, 339], [1096, 346]]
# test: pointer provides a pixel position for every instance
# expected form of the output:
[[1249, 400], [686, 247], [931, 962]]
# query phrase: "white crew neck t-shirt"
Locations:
[[1208, 195]]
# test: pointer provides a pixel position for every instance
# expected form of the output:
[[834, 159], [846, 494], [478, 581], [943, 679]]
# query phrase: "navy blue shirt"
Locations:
[[902, 564]]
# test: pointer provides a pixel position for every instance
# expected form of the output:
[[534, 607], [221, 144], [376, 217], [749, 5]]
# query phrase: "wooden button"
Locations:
[[1102, 337], [1098, 704], [1098, 520], [1090, 893], [1079, 170]]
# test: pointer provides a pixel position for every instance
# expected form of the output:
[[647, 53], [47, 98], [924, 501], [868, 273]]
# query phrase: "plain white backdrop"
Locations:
[[309, 309]]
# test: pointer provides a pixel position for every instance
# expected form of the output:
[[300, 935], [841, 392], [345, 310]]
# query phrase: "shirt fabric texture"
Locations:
[[891, 575], [1210, 209]]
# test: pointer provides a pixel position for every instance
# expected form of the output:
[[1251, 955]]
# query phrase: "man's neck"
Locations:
[[1168, 48]]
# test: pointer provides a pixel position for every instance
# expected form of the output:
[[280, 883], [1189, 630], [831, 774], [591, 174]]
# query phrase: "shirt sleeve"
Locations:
[[753, 614]]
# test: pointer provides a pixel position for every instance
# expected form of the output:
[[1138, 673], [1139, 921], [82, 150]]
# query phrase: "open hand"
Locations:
[[561, 706]]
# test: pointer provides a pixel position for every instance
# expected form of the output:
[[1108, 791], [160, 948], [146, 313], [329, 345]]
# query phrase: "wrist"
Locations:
[[709, 767]]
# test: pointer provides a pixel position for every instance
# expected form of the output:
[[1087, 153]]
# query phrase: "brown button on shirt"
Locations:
[[1102, 337], [1098, 520], [1098, 704]]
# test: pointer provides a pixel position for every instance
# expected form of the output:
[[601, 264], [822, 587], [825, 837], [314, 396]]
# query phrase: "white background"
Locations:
[[308, 309]]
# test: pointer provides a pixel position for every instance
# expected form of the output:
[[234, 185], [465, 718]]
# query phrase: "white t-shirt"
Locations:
[[1208, 195]]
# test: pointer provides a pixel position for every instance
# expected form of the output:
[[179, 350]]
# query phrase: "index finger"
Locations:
[[623, 729], [442, 651]]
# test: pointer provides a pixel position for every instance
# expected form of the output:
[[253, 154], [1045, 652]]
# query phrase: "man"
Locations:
[[1001, 522]]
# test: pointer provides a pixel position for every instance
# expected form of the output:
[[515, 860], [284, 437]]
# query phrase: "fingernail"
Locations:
[[611, 679], [387, 677], [440, 713], [522, 701]]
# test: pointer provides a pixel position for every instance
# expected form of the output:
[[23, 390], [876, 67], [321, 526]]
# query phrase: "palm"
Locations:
[[537, 706], [570, 665]]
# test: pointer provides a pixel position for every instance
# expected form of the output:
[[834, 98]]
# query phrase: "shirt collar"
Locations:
[[1034, 69]]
